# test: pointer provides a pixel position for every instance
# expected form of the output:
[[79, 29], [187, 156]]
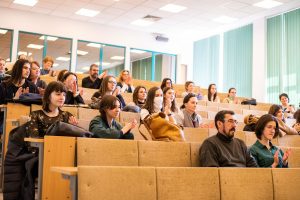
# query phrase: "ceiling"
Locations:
[[197, 18]]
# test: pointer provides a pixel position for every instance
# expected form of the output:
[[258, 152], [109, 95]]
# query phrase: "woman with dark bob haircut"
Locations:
[[264, 152], [106, 126], [284, 129], [53, 100]]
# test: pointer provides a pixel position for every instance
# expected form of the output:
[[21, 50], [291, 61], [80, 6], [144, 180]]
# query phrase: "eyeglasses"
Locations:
[[232, 121], [113, 82]]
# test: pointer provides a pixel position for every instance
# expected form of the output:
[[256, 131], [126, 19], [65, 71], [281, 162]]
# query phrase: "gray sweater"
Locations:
[[221, 151]]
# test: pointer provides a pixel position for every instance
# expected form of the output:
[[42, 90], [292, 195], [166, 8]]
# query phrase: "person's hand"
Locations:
[[129, 126], [168, 104], [286, 155], [26, 90], [74, 88], [117, 91], [18, 93], [41, 91], [73, 120], [103, 74], [276, 159], [129, 80]]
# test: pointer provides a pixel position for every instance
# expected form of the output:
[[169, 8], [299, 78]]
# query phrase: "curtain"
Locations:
[[237, 60], [206, 61]]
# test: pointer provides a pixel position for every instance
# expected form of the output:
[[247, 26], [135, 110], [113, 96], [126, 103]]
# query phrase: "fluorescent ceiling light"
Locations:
[[94, 45], [2, 31], [117, 58], [142, 22], [35, 46], [26, 2], [50, 38], [267, 4], [7, 60], [63, 58], [173, 8], [137, 51], [82, 53], [105, 63], [29, 54], [87, 12], [55, 64], [225, 19]]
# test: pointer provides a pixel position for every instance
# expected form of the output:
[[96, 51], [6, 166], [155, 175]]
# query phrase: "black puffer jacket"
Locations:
[[20, 167]]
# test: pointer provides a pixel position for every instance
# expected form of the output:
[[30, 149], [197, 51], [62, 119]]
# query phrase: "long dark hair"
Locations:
[[173, 106], [54, 86], [274, 110], [103, 88], [209, 95], [163, 83], [107, 102], [149, 105], [17, 70], [135, 95]]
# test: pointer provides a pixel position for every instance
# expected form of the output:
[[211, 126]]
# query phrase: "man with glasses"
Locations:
[[223, 150]]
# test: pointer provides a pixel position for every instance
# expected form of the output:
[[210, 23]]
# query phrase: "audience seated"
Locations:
[[94, 80], [108, 87], [154, 104], [286, 107], [297, 118], [187, 116], [34, 77], [53, 100], [232, 98], [73, 96], [105, 125], [139, 96], [17, 84], [60, 76], [264, 152], [125, 82], [223, 150], [250, 122], [3, 76], [212, 94], [47, 66], [167, 82], [189, 88], [277, 111]]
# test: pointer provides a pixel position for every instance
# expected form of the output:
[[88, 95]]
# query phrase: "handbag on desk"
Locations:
[[160, 128]]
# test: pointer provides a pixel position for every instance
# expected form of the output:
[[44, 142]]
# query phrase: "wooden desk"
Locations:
[[69, 173]]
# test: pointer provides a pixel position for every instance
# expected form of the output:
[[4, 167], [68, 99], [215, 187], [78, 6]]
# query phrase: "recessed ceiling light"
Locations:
[[82, 53], [225, 19], [94, 45], [35, 46], [55, 65], [117, 58], [137, 51], [267, 4], [50, 38], [173, 8], [26, 2], [2, 31], [63, 58], [87, 12], [142, 22]]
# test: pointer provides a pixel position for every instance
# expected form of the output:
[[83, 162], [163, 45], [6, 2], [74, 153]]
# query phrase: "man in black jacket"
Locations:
[[93, 81], [223, 150]]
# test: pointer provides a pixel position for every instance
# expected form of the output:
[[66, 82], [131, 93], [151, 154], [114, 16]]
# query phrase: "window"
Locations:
[[5, 44]]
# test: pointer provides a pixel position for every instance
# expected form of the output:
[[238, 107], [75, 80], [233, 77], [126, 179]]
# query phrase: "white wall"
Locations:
[[63, 27]]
